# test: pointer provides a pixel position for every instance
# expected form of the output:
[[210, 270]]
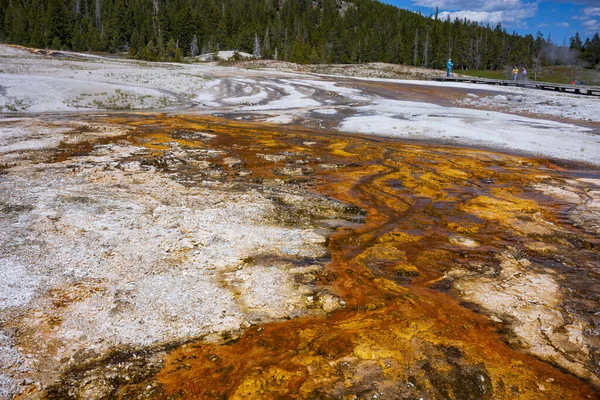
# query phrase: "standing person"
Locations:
[[449, 66], [524, 74], [515, 73]]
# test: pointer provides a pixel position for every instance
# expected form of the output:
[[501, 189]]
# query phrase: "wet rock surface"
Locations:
[[175, 257], [106, 245]]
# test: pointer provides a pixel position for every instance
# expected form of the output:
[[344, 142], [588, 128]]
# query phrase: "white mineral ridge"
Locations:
[[17, 287], [35, 83], [326, 111], [158, 308], [50, 94], [17, 138], [542, 102], [247, 92], [295, 97], [329, 86], [11, 51], [223, 55], [92, 231], [281, 119], [412, 120]]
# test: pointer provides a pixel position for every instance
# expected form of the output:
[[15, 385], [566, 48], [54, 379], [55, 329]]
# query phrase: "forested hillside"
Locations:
[[321, 31]]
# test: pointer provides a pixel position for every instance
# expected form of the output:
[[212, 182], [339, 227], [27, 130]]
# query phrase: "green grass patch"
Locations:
[[555, 74], [566, 73]]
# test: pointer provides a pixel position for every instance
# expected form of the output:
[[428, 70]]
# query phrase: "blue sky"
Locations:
[[559, 18]]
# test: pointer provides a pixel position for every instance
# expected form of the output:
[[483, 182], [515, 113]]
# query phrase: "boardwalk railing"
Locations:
[[579, 89]]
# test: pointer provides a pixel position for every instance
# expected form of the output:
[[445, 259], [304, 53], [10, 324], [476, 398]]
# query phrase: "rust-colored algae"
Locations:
[[402, 333]]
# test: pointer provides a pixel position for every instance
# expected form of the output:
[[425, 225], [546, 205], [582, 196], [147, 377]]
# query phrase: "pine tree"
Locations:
[[267, 42], [416, 47], [592, 50], [426, 50], [305, 31], [575, 42], [171, 50], [151, 52]]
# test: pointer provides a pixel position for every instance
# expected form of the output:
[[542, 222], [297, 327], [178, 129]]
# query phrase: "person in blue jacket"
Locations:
[[449, 66]]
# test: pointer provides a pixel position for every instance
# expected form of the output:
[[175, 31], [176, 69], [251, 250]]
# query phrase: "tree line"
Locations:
[[302, 31]]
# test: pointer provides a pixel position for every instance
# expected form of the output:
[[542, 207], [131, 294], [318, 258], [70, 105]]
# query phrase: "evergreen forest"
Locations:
[[302, 31]]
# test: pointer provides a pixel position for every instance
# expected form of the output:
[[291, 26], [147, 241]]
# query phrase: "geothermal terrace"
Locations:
[[263, 231]]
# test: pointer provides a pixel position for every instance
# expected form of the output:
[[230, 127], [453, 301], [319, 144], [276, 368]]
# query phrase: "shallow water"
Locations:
[[436, 217]]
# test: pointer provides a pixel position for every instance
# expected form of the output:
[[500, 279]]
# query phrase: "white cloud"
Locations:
[[591, 26], [511, 12], [479, 16], [591, 11], [580, 2], [444, 4], [489, 6], [512, 17]]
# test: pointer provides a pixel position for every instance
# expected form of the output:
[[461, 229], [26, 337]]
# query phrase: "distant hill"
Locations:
[[303, 31]]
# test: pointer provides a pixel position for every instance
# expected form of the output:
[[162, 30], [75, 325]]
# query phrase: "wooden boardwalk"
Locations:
[[578, 89]]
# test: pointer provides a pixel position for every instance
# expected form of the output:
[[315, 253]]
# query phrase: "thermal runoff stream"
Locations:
[[444, 272]]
